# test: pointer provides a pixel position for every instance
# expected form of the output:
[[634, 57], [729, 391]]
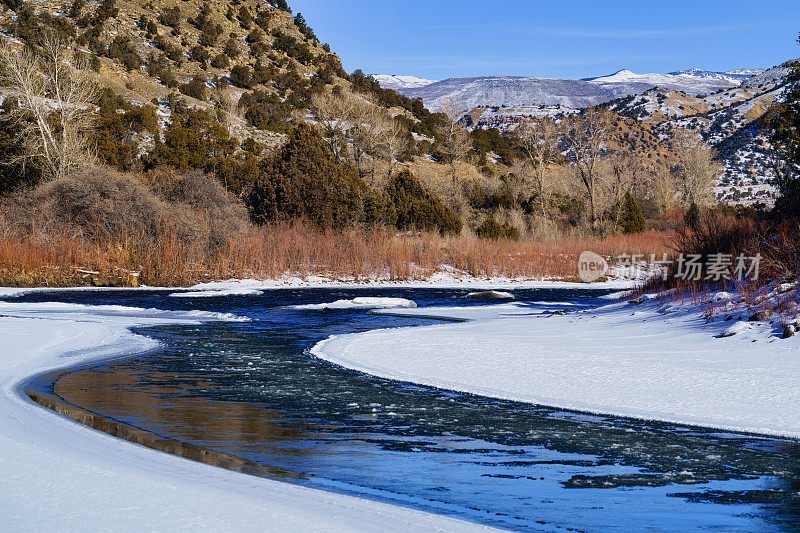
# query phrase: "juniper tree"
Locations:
[[303, 180], [631, 219]]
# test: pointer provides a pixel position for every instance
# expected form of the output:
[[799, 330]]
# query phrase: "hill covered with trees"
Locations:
[[212, 120]]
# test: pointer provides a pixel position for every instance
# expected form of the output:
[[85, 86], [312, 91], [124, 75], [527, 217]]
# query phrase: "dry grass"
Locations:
[[103, 227], [294, 249], [775, 242]]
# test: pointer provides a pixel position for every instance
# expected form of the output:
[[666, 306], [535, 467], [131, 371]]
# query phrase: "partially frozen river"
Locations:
[[250, 389]]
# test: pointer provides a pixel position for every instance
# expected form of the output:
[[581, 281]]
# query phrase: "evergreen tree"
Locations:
[[302, 180], [692, 216], [631, 219], [14, 172], [418, 209], [491, 229]]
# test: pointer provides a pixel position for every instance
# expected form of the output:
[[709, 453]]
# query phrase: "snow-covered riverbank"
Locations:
[[62, 476], [646, 360], [244, 287]]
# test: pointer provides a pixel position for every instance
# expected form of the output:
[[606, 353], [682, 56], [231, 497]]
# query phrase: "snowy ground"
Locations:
[[446, 277], [62, 476], [646, 360], [440, 280]]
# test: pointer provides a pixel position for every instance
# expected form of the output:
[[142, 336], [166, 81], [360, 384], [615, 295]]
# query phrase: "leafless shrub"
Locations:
[[99, 205], [56, 102], [205, 198]]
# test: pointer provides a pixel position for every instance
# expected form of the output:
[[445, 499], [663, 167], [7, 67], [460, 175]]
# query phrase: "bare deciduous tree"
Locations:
[[361, 134], [620, 178], [226, 102], [393, 139], [585, 137], [356, 126], [456, 143], [662, 186], [334, 113], [539, 138], [694, 168], [56, 102]]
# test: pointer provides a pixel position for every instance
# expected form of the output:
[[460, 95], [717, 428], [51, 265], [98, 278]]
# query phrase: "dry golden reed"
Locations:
[[296, 249]]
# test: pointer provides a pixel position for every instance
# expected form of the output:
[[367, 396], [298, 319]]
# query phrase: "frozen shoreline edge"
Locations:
[[577, 410], [354, 513], [338, 357], [298, 283]]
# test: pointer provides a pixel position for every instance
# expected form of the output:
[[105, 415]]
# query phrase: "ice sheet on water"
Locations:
[[491, 295], [216, 293], [62, 308], [364, 302]]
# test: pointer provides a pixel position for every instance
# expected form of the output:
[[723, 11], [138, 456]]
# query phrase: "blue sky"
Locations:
[[569, 38]]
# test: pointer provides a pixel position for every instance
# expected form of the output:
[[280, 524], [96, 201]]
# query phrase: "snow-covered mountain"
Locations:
[[393, 81], [511, 91], [736, 76], [693, 81]]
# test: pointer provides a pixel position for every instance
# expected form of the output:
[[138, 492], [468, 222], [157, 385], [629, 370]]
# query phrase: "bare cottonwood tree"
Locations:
[[455, 140], [355, 126], [393, 140], [620, 177], [226, 102], [694, 168], [585, 138], [363, 138], [540, 139], [56, 102], [334, 114], [661, 186]]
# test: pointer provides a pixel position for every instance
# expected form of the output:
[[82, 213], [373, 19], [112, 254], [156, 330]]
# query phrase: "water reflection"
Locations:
[[249, 390], [230, 427]]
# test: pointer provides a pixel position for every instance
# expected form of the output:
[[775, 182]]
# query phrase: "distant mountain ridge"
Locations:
[[396, 82], [692, 81], [510, 91], [736, 76]]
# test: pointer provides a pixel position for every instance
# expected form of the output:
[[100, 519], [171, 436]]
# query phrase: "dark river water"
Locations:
[[251, 389]]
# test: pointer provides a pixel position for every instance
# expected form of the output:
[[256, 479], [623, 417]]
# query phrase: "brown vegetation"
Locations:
[[773, 241], [125, 231]]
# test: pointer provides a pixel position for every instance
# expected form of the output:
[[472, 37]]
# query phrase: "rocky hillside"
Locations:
[[729, 119], [207, 83], [206, 52]]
